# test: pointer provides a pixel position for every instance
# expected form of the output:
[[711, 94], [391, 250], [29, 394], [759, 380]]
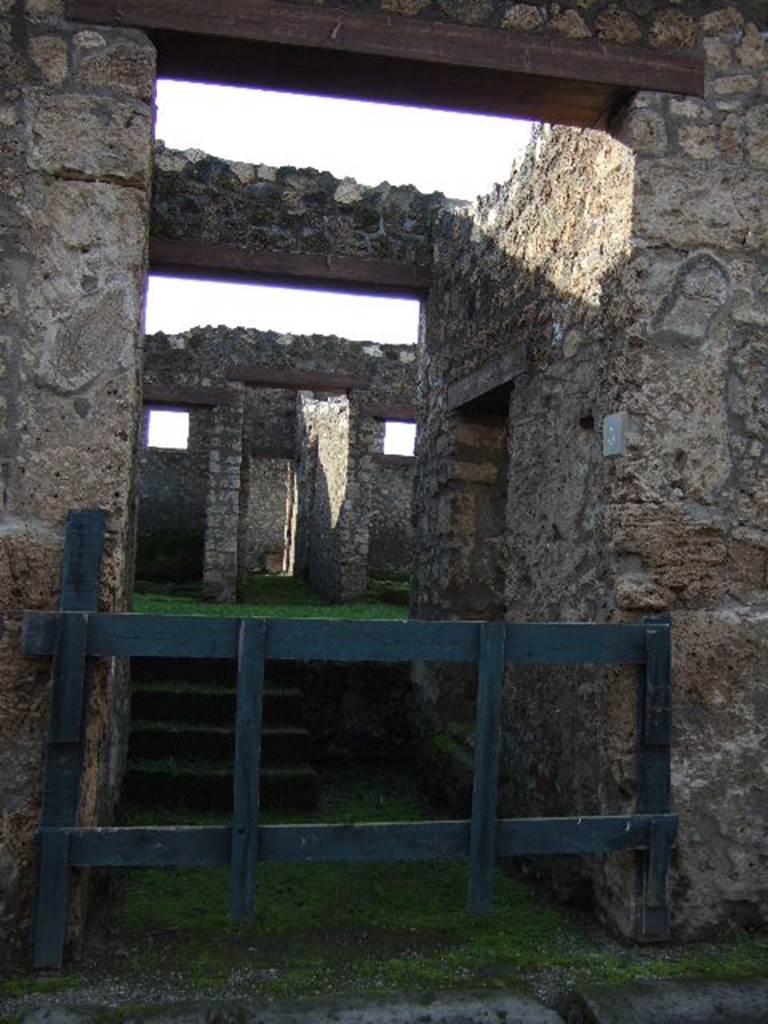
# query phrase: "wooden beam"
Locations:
[[201, 260], [337, 51], [393, 460], [276, 452], [487, 389], [158, 394], [396, 412], [297, 380]]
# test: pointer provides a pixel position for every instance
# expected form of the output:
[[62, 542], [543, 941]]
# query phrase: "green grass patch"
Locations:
[[266, 596]]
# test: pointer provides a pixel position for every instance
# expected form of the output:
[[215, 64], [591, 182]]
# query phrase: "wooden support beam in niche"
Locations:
[[394, 460], [181, 397], [487, 389], [277, 452], [396, 412], [340, 52], [201, 260], [297, 380]]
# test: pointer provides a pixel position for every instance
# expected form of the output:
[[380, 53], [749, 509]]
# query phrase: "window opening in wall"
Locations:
[[399, 438], [175, 305], [168, 428]]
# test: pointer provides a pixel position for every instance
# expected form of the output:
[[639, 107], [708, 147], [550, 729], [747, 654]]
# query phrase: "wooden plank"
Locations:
[[532, 837], [396, 412], [575, 644], [80, 579], [386, 79], [337, 30], [657, 724], [184, 846], [184, 398], [169, 636], [127, 635], [245, 817], [264, 452], [393, 460], [482, 854], [83, 548], [198, 260], [487, 389], [297, 380], [52, 904], [653, 791], [364, 842], [69, 679], [190, 846]]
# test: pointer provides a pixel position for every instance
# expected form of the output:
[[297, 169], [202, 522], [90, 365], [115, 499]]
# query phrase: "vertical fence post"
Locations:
[[83, 546], [482, 846], [654, 737], [245, 818]]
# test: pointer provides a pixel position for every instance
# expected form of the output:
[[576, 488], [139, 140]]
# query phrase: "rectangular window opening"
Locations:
[[168, 428], [399, 438]]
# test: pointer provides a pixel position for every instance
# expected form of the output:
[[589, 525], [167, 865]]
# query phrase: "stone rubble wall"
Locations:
[[391, 525], [75, 154], [288, 209], [173, 483], [634, 271]]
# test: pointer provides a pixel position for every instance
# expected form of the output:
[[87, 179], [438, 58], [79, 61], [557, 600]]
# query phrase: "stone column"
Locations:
[[222, 513], [75, 155]]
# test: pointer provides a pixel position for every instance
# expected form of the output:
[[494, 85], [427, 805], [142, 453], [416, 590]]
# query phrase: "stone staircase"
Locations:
[[181, 747]]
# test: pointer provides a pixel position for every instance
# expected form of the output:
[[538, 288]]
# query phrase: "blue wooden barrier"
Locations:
[[77, 632]]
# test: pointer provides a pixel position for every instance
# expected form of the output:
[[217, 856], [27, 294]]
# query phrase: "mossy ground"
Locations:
[[274, 597], [356, 929], [344, 929]]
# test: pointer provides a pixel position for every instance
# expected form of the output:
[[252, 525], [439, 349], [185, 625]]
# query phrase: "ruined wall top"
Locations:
[[203, 357], [289, 209]]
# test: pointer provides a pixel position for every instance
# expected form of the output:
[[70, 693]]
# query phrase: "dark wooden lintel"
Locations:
[[297, 380], [202, 260], [396, 412], [487, 389], [341, 52], [393, 460], [276, 452], [181, 397]]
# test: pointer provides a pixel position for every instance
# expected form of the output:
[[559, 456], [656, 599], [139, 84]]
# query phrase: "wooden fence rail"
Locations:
[[77, 633]]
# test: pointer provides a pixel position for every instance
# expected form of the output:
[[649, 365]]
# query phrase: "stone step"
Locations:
[[281, 746], [214, 705], [202, 785]]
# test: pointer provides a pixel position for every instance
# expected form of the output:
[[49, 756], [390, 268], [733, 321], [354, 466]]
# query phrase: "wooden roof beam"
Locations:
[[341, 52], [204, 261]]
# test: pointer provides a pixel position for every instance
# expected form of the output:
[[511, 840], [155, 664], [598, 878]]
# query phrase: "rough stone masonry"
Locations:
[[631, 263]]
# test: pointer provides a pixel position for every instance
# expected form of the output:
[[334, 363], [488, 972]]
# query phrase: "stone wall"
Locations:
[[75, 153], [633, 270], [276, 506], [391, 521], [173, 483], [288, 209]]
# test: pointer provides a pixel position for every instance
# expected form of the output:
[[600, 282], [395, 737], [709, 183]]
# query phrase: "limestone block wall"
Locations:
[[75, 154], [288, 209], [633, 269]]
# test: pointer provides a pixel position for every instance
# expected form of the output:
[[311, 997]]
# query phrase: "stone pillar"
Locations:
[[75, 155], [223, 505]]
